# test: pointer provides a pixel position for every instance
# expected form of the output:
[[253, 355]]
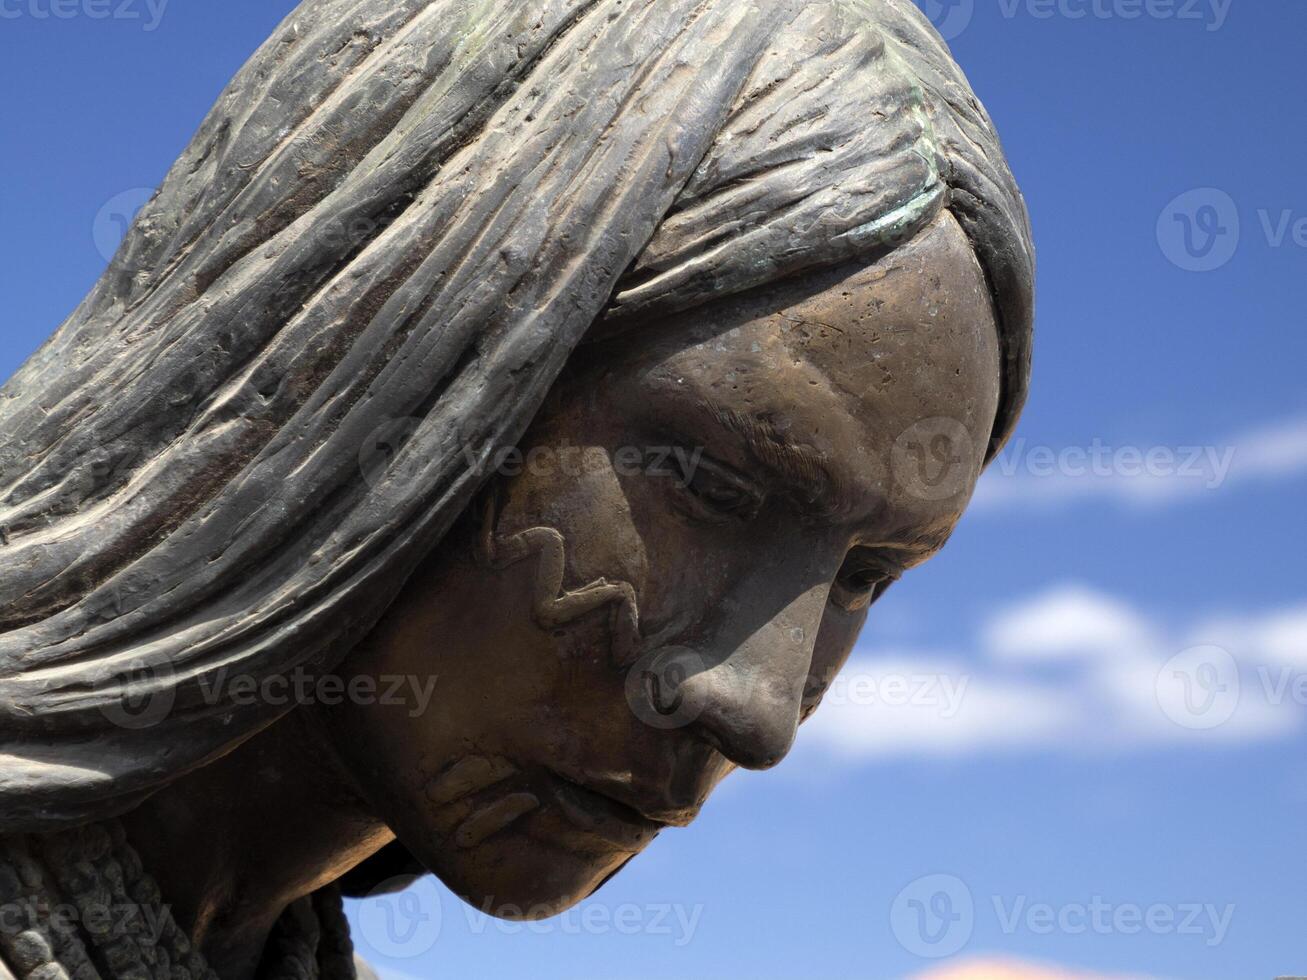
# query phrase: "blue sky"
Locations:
[[1077, 736]]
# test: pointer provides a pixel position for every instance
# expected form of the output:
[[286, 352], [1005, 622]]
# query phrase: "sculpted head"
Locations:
[[735, 468], [690, 365]]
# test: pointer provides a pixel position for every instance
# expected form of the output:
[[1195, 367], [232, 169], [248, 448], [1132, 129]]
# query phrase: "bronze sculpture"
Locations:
[[492, 433]]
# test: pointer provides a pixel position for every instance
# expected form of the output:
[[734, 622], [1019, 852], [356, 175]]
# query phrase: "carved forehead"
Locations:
[[918, 327], [913, 336]]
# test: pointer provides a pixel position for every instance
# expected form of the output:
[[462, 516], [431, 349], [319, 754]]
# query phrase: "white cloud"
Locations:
[[1073, 670], [906, 704], [1273, 451], [1025, 474], [1278, 638], [1145, 702], [1066, 622], [1283, 638]]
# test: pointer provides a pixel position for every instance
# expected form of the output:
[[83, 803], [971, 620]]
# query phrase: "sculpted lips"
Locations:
[[491, 819], [601, 815], [650, 807], [478, 797]]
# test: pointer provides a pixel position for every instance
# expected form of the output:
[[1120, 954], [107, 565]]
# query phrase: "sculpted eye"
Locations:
[[861, 581], [718, 493], [709, 490]]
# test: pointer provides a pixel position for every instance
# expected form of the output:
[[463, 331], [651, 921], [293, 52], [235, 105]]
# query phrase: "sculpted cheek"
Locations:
[[835, 640], [577, 492]]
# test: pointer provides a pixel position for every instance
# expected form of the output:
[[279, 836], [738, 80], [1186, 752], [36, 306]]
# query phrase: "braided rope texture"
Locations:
[[78, 905]]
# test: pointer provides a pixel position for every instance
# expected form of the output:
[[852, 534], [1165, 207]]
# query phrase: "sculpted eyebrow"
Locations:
[[917, 545], [801, 466]]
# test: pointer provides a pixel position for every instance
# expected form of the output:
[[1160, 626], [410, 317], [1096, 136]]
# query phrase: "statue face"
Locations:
[[756, 473]]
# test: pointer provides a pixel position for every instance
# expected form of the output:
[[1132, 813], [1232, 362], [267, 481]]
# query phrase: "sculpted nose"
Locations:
[[750, 718], [747, 704]]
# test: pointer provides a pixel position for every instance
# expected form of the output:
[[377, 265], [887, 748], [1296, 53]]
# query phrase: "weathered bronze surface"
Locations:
[[494, 432]]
